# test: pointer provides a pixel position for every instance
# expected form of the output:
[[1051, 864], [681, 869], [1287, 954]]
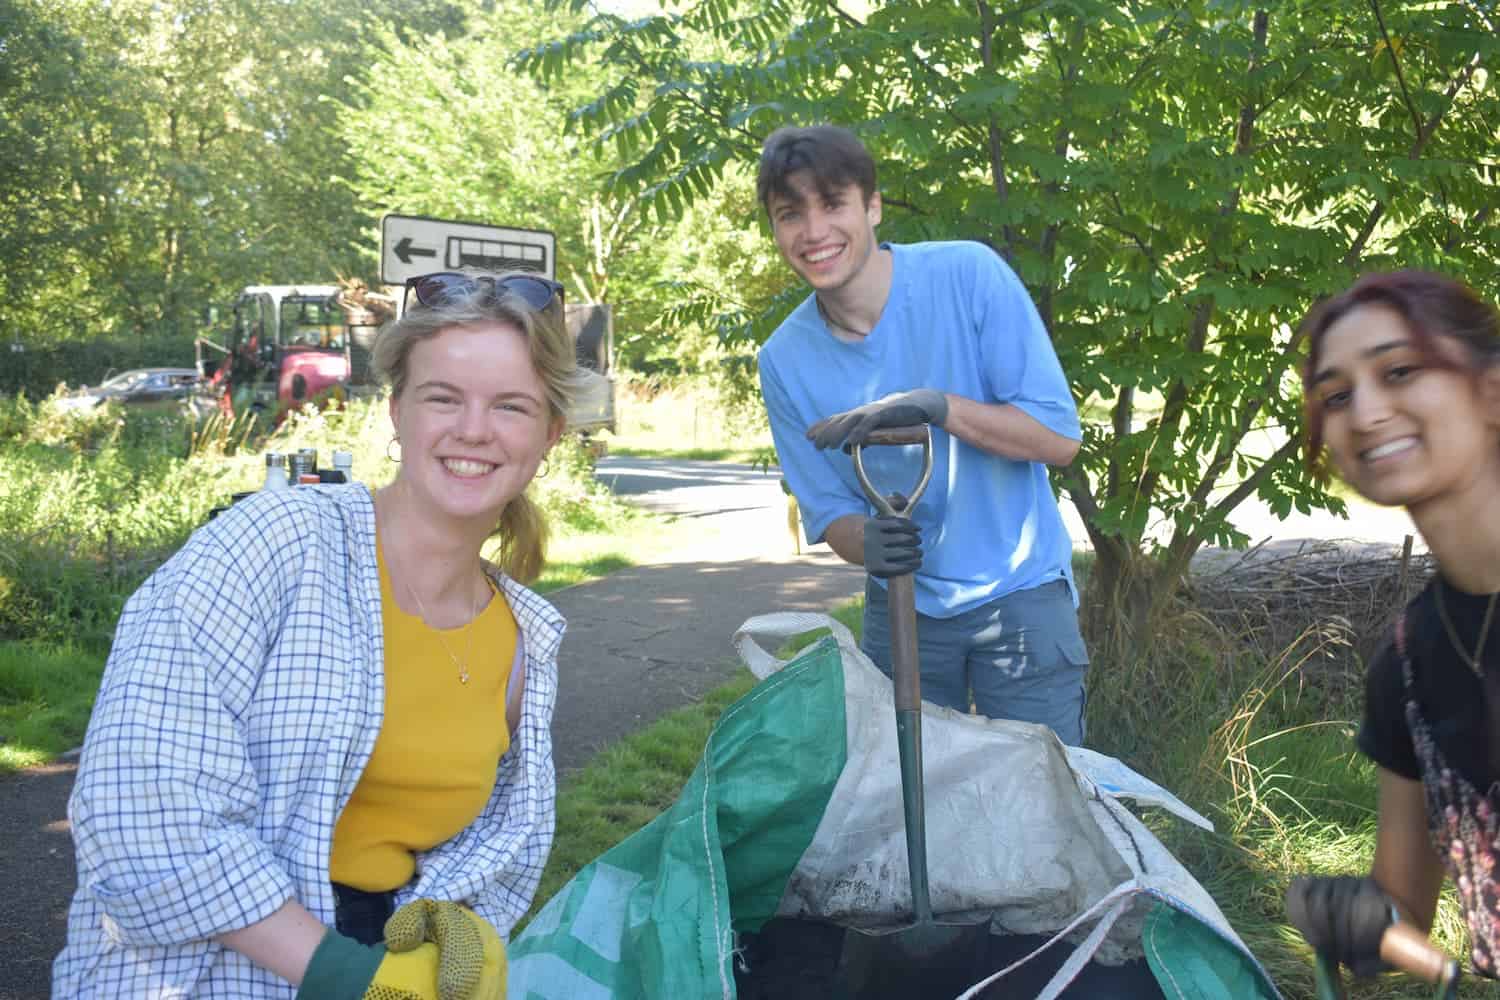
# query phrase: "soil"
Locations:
[[801, 960]]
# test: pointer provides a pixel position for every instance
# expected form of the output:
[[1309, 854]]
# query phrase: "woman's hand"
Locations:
[[433, 951], [472, 962], [1343, 918]]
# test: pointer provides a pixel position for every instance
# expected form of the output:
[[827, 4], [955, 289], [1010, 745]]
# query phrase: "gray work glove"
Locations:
[[1343, 918], [901, 409], [893, 546]]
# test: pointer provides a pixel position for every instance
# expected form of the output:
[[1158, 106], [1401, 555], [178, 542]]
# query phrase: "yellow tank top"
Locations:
[[434, 763]]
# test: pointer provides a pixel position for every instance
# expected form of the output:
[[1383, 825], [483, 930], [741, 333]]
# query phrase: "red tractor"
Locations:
[[292, 344]]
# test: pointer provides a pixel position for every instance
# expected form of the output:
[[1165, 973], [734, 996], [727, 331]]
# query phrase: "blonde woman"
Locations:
[[328, 711]]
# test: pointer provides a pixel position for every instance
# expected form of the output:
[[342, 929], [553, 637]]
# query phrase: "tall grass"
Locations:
[[1262, 742], [91, 503], [46, 693]]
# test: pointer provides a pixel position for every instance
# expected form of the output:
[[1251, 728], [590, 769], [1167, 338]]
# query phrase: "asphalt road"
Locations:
[[693, 489], [651, 638]]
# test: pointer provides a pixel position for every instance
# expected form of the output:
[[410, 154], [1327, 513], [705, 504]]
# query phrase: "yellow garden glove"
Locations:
[[471, 965], [344, 969]]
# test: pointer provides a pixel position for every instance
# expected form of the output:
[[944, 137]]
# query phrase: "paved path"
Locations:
[[649, 639], [640, 642], [36, 868]]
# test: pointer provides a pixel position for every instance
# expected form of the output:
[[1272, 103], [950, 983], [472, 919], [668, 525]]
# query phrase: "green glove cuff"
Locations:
[[341, 969]]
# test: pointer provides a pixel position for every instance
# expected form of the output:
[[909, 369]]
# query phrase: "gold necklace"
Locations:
[[1474, 662], [463, 666]]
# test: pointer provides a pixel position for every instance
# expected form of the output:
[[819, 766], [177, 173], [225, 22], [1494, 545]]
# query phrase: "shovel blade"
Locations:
[[926, 959]]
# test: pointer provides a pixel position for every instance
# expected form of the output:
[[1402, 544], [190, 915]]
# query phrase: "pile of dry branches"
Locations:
[[1275, 597]]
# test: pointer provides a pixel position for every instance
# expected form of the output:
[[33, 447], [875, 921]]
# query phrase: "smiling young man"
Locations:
[[940, 333]]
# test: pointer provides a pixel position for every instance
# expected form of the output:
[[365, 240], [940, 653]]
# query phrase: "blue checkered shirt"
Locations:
[[240, 703]]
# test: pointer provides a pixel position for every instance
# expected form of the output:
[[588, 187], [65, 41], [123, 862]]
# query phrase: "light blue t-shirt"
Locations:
[[957, 320]]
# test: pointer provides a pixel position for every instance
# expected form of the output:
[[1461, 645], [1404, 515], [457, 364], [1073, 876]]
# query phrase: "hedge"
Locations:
[[37, 370]]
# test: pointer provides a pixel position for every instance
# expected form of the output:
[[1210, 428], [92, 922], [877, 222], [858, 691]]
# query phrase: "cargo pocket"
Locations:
[[1075, 655], [1072, 649]]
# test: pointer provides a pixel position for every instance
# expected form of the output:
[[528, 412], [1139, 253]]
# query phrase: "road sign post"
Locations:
[[412, 244]]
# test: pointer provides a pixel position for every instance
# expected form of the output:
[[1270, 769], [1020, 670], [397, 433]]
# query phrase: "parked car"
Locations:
[[139, 387]]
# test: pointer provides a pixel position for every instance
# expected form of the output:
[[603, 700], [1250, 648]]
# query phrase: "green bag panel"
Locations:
[[778, 752], [1191, 961], [654, 916]]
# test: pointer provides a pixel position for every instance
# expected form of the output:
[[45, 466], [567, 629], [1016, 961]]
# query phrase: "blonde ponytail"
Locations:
[[523, 540]]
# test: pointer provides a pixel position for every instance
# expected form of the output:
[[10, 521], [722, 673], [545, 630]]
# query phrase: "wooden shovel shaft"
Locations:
[[901, 599], [906, 679], [914, 808], [1409, 950], [906, 676]]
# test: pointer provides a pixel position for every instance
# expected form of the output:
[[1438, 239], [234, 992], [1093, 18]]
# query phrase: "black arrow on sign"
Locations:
[[405, 251]]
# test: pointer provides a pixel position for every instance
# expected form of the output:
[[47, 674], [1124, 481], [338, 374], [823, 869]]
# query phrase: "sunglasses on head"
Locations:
[[446, 286]]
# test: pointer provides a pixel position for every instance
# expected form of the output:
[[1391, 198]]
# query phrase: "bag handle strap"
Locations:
[[1111, 906], [781, 626]]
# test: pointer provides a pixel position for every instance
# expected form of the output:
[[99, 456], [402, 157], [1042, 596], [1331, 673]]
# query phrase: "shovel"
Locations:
[[919, 958]]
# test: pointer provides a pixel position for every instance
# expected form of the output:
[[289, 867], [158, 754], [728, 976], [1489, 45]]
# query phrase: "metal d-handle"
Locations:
[[920, 434]]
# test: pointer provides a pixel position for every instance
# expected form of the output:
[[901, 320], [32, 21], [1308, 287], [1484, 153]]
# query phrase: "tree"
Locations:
[[46, 85], [166, 152], [1176, 181], [445, 127], [448, 127]]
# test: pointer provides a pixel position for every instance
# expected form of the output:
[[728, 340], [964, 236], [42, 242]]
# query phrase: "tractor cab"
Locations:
[[287, 345]]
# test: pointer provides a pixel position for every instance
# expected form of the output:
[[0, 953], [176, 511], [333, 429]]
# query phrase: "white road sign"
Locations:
[[411, 245]]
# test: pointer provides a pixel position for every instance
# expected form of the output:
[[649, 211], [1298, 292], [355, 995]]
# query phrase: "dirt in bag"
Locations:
[[791, 959]]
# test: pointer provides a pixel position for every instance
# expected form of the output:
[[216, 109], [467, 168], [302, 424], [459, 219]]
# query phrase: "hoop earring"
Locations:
[[388, 456], [546, 468]]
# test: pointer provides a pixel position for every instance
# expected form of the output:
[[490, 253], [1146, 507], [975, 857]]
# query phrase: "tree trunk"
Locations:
[[1126, 593]]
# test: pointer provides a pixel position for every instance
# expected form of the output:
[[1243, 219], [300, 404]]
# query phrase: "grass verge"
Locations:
[[741, 456], [690, 418], [620, 537], [627, 784], [46, 693]]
